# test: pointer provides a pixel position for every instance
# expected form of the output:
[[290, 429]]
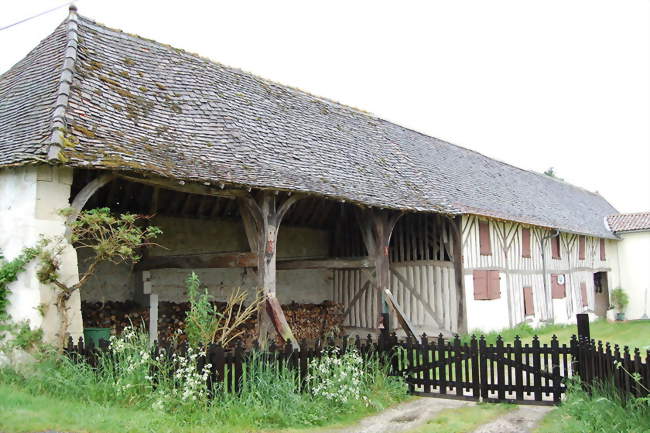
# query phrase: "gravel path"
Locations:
[[521, 420], [402, 417], [414, 413]]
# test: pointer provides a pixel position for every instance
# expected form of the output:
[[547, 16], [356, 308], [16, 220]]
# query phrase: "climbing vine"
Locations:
[[9, 271]]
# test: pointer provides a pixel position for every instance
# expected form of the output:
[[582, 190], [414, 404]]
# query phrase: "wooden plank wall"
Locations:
[[421, 252], [519, 271]]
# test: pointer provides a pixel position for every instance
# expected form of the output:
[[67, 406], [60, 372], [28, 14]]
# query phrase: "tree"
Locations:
[[114, 239]]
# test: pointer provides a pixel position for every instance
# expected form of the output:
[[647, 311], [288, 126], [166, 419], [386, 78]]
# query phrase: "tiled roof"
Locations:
[[142, 106], [626, 222]]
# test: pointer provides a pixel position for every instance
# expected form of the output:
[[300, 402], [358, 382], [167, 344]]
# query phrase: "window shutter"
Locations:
[[529, 305], [555, 247], [582, 242], [484, 238], [494, 285], [480, 285], [583, 293], [525, 243], [557, 290], [602, 249]]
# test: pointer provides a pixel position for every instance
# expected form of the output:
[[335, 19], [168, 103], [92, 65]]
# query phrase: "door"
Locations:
[[601, 294]]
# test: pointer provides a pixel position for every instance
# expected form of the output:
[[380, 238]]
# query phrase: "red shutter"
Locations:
[[529, 305], [494, 285], [480, 285], [602, 249], [555, 247], [557, 290], [583, 293], [525, 243], [582, 242], [484, 238]]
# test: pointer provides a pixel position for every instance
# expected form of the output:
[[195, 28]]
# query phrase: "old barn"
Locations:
[[260, 185]]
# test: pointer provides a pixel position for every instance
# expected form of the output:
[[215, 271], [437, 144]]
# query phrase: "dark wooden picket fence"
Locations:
[[229, 367], [532, 373]]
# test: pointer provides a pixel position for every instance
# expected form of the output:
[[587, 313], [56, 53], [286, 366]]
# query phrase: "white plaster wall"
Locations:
[[485, 315], [191, 236], [29, 200], [634, 272]]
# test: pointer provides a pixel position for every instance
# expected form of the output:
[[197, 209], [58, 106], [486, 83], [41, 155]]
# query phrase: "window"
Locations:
[[487, 285], [555, 247], [484, 238], [582, 242], [602, 249], [529, 305], [583, 293], [525, 243], [558, 288]]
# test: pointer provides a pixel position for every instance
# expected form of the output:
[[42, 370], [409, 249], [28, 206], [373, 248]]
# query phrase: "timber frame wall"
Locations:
[[422, 276], [517, 272]]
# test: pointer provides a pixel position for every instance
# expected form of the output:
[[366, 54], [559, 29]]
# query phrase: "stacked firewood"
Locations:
[[307, 321]]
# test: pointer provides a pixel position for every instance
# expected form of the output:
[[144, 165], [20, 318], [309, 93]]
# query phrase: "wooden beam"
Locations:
[[82, 197], [333, 263], [246, 260], [401, 317], [190, 188], [263, 213], [457, 240], [198, 261]]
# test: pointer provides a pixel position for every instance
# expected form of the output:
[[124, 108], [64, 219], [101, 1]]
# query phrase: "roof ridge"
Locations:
[[65, 83]]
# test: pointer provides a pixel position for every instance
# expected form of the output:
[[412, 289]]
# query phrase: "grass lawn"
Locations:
[[24, 412], [464, 419], [634, 333]]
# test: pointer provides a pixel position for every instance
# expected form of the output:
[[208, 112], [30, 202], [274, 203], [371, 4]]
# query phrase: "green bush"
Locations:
[[601, 411], [271, 395], [620, 299]]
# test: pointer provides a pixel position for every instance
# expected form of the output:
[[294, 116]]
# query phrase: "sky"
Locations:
[[536, 84]]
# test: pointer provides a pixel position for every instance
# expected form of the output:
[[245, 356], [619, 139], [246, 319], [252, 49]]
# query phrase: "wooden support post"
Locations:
[[82, 198], [376, 229], [456, 226], [262, 216]]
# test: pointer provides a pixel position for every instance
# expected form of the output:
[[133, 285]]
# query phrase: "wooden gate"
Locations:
[[518, 373]]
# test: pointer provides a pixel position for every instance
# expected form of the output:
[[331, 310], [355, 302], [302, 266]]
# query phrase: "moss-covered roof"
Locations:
[[137, 105]]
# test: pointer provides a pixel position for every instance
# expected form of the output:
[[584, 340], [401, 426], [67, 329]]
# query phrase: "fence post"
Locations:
[[555, 361], [583, 326], [476, 391], [484, 370]]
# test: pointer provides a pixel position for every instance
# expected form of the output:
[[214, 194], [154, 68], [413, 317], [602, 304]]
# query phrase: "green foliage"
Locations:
[[602, 411], [201, 317], [551, 173], [620, 299], [270, 396], [19, 335], [523, 330], [9, 271], [204, 324]]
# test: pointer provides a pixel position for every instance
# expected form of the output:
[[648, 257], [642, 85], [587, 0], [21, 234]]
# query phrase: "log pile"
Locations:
[[307, 321]]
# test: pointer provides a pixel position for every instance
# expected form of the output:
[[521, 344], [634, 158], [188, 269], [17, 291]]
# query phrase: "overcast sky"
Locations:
[[532, 83]]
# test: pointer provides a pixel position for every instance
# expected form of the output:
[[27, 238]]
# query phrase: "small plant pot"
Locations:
[[620, 317]]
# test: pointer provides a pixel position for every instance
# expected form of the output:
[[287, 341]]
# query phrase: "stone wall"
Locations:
[[192, 236], [30, 199]]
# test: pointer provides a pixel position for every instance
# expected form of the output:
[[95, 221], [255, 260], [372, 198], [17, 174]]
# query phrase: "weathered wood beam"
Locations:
[[264, 212], [401, 316], [181, 186], [198, 261], [376, 227], [332, 263], [82, 197], [457, 240], [246, 260]]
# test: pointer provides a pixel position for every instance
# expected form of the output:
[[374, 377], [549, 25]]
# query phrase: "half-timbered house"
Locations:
[[261, 185]]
